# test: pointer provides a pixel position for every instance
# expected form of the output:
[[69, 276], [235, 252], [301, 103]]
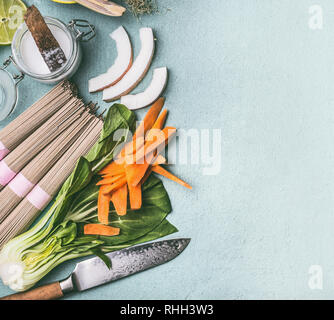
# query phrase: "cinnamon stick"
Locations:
[[47, 44]]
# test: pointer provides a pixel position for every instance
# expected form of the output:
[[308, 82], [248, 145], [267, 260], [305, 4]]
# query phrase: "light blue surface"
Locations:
[[257, 71]]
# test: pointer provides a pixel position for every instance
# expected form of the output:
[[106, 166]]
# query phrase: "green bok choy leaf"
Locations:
[[58, 235]]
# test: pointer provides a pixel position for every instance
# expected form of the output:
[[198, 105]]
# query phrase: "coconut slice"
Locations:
[[121, 65], [152, 92], [137, 70]]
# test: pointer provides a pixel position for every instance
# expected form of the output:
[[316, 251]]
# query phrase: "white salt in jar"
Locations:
[[27, 58]]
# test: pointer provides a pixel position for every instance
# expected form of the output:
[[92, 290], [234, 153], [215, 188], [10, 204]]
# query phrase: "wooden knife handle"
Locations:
[[47, 292]]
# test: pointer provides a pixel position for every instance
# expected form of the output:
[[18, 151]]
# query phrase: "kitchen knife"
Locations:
[[94, 272]]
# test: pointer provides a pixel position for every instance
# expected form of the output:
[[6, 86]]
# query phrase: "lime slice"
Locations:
[[11, 17], [64, 1]]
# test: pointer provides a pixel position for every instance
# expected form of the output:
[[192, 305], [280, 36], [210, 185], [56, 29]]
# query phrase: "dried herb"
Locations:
[[140, 7]]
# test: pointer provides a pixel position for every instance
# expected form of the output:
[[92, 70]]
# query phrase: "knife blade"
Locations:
[[94, 272]]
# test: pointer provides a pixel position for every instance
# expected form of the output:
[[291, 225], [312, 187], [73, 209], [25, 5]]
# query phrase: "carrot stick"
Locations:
[[100, 229], [150, 117], [147, 123], [162, 138], [158, 124], [135, 172], [103, 206], [111, 168], [110, 180], [152, 144], [135, 196], [114, 173], [145, 177], [167, 174], [159, 160], [114, 186], [119, 199], [132, 146]]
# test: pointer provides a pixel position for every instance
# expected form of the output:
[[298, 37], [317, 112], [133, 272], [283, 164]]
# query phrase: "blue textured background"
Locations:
[[254, 69]]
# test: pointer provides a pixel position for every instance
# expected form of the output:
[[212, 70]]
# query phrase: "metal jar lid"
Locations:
[[8, 90]]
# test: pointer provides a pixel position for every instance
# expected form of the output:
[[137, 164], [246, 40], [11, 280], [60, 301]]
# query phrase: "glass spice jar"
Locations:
[[28, 60]]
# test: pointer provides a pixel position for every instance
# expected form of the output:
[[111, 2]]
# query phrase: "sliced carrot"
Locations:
[[145, 125], [110, 180], [135, 196], [167, 174], [103, 203], [159, 160], [100, 229], [152, 144], [111, 168], [114, 173], [150, 118], [114, 186], [119, 199], [158, 124], [145, 177], [135, 172], [159, 140], [132, 146]]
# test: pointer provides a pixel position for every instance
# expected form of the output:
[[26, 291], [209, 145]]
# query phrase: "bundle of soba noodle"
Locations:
[[38, 150], [38, 198], [39, 139], [32, 118], [38, 167]]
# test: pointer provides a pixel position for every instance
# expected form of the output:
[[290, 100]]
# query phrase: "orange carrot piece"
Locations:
[[110, 180], [150, 118], [167, 174], [159, 160], [111, 168], [133, 145], [135, 196], [145, 125], [114, 186], [103, 206], [114, 173], [119, 199], [100, 229], [145, 177], [135, 172], [158, 140], [158, 124], [152, 144]]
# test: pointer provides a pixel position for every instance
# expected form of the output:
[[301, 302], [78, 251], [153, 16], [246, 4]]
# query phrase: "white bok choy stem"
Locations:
[[58, 236]]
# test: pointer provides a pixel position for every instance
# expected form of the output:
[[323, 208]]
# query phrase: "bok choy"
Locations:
[[58, 235]]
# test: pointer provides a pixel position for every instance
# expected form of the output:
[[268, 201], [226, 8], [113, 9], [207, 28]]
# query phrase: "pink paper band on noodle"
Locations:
[[3, 151], [6, 173], [20, 185], [38, 198]]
